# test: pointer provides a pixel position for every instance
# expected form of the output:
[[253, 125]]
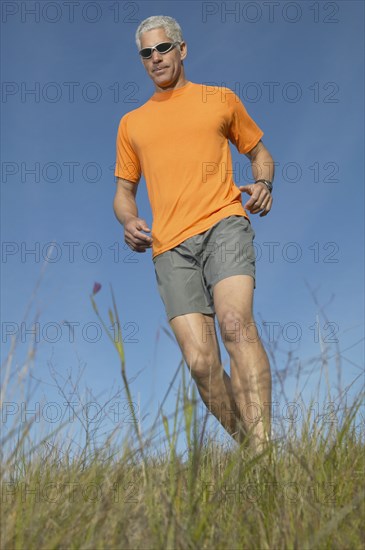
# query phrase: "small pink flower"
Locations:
[[97, 287]]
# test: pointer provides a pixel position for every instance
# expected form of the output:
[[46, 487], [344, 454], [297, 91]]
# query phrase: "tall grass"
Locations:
[[306, 490]]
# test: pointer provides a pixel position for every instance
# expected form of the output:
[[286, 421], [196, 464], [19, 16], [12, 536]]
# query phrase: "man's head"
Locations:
[[165, 69]]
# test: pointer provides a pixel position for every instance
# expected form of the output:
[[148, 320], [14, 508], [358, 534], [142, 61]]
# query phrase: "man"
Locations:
[[201, 236]]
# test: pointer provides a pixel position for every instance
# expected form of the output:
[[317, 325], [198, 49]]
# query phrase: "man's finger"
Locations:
[[267, 208], [142, 239], [138, 242], [247, 189], [139, 236], [141, 224], [135, 242], [251, 202], [259, 199], [145, 228], [259, 205], [137, 247]]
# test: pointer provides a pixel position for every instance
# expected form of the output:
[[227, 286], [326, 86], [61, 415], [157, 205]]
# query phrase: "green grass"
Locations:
[[305, 491], [301, 495]]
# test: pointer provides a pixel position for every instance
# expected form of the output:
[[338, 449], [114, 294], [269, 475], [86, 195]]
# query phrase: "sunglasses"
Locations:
[[163, 47]]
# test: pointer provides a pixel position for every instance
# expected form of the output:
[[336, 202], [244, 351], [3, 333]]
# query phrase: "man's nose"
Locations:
[[156, 56]]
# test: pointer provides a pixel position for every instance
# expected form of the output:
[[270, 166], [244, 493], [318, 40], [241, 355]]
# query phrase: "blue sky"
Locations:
[[297, 67]]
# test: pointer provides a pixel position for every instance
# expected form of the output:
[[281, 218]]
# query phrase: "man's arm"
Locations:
[[126, 211], [262, 168]]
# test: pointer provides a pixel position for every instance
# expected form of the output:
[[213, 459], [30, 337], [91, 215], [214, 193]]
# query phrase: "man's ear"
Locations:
[[183, 50]]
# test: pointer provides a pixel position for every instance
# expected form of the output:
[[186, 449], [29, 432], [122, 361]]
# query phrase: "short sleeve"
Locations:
[[127, 164], [243, 131]]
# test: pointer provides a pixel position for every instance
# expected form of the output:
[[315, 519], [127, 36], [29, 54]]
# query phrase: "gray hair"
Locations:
[[169, 24]]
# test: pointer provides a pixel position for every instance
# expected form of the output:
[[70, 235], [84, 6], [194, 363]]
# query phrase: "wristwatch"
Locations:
[[267, 183]]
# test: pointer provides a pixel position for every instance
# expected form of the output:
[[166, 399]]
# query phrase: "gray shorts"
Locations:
[[187, 273]]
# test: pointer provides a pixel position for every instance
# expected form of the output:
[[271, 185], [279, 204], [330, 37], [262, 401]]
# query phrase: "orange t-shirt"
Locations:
[[179, 140]]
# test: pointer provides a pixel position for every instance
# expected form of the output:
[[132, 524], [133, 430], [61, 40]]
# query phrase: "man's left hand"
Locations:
[[261, 199]]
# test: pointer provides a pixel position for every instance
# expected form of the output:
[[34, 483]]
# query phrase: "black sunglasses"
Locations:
[[163, 47]]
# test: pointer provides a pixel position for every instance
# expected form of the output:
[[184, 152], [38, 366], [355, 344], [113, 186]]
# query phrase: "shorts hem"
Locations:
[[227, 274], [204, 311], [238, 211]]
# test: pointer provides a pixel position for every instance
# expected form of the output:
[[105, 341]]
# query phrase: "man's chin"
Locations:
[[163, 85], [162, 81]]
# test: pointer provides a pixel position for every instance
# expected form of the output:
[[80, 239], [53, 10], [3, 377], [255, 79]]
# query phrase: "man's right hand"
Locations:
[[133, 235]]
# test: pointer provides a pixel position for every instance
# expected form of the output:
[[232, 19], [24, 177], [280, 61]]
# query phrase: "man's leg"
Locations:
[[197, 339], [250, 369]]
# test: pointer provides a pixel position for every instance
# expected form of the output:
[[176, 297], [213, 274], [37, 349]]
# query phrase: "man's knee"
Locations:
[[203, 364], [237, 328]]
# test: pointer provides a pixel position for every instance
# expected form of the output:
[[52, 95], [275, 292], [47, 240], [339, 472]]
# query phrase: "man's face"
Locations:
[[164, 69]]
